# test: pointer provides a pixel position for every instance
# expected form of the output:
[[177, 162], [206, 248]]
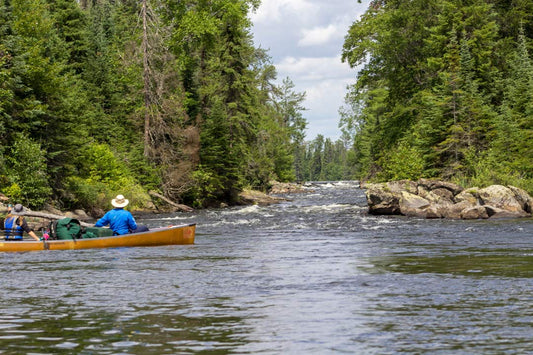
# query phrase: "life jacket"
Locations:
[[12, 229]]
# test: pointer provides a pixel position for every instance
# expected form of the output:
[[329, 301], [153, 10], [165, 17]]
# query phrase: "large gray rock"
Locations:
[[500, 197], [413, 205], [437, 199], [381, 200], [523, 199]]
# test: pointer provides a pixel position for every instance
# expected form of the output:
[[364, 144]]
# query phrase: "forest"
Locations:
[[445, 90], [171, 98], [167, 96]]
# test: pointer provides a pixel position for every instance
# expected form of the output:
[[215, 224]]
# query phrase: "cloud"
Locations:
[[313, 69], [324, 80], [275, 11], [318, 35], [304, 39]]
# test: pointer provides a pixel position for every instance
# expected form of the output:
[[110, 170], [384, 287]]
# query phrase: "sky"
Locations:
[[304, 38]]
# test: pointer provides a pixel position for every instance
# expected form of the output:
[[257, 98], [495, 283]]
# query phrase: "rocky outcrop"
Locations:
[[439, 199], [279, 188], [253, 197]]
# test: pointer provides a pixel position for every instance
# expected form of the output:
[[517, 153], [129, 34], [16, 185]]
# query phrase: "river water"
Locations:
[[313, 275]]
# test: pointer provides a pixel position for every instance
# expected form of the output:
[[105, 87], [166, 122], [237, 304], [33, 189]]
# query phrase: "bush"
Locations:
[[403, 163], [205, 189], [26, 173], [102, 177]]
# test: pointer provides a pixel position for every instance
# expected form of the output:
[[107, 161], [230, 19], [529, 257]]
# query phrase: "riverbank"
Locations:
[[40, 219]]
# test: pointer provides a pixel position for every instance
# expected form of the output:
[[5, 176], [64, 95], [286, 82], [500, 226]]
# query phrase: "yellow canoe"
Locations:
[[182, 234]]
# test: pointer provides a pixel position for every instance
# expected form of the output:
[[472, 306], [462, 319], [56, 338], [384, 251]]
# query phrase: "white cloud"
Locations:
[[305, 38], [278, 10], [324, 80], [312, 69], [318, 35]]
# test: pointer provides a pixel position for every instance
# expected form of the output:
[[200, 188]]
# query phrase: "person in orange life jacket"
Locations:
[[120, 220], [15, 225]]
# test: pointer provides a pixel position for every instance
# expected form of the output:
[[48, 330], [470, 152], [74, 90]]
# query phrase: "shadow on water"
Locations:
[[500, 265]]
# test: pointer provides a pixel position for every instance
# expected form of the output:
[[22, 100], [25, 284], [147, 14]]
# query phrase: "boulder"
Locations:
[[438, 184], [253, 197], [438, 199], [454, 210], [381, 200], [523, 198], [495, 212], [286, 188], [500, 197], [413, 205], [476, 212]]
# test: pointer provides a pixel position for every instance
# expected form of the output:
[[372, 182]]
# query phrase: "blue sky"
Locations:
[[304, 39]]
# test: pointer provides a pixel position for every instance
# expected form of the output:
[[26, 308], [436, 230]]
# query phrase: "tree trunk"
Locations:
[[180, 207], [146, 78], [51, 216]]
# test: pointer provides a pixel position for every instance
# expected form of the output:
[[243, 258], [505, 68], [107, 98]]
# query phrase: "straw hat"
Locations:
[[120, 201]]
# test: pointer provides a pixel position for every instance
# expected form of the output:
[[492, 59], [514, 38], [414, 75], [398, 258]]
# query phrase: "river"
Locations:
[[312, 275]]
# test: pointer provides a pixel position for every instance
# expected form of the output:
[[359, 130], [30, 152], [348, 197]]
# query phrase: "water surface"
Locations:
[[314, 275]]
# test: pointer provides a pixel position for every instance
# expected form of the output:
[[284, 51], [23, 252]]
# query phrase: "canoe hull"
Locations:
[[173, 235]]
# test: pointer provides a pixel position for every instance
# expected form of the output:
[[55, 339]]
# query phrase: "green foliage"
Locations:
[[205, 190], [184, 105], [453, 83], [403, 163], [326, 160], [102, 176], [27, 173]]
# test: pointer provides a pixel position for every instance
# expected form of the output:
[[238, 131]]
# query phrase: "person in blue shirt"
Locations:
[[118, 219]]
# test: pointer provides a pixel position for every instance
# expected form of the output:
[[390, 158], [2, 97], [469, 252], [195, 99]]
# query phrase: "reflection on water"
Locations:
[[499, 265], [314, 275]]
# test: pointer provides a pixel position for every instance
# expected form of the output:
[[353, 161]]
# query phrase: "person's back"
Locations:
[[119, 220], [15, 225]]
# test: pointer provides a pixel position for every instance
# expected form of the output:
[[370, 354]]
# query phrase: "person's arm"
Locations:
[[102, 221], [33, 235], [24, 225]]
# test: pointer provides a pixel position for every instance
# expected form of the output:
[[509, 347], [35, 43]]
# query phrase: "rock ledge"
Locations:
[[439, 199]]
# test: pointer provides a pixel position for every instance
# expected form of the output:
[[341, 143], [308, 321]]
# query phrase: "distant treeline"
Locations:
[[117, 96], [445, 90]]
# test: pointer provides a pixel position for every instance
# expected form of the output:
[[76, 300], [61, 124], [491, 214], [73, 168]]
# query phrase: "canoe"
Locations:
[[172, 235]]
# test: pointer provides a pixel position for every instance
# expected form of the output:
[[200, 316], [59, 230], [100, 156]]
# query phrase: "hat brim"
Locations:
[[123, 204]]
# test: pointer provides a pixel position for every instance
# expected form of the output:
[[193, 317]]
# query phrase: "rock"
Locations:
[[258, 198], [97, 212], [413, 205], [468, 195], [51, 209], [433, 185], [403, 185], [286, 188], [81, 215], [523, 198], [495, 212], [501, 197], [381, 200], [437, 199], [476, 212]]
